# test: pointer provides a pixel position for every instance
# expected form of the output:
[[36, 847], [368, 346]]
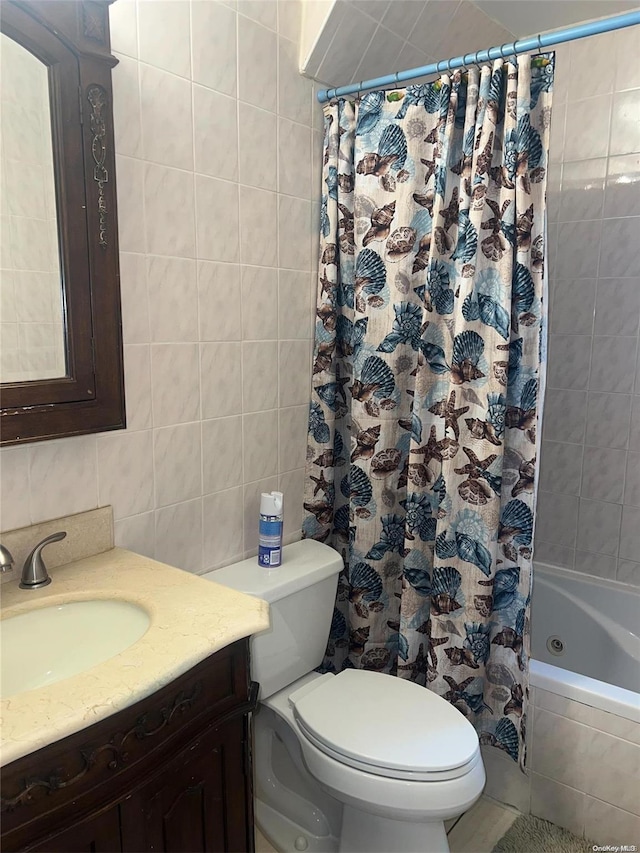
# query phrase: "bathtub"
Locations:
[[585, 640], [583, 721]]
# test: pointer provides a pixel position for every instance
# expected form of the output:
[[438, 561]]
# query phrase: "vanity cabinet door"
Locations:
[[197, 803], [99, 834]]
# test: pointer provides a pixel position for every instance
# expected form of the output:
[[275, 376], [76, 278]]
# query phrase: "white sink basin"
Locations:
[[51, 643]]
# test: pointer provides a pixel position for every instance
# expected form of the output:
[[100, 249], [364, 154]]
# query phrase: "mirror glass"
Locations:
[[31, 292]]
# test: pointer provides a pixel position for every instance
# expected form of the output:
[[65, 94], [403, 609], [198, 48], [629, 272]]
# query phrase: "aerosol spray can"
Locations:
[[270, 537]]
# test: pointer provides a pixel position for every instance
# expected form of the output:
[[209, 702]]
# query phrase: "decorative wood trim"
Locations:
[[97, 97], [116, 746]]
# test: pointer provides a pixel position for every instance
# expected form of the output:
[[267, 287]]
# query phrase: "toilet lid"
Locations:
[[393, 725]]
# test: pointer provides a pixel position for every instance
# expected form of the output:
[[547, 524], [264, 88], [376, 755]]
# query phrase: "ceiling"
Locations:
[[525, 17]]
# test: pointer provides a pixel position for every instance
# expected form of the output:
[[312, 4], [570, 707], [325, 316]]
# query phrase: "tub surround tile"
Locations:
[[561, 467], [634, 430], [632, 480], [557, 519], [593, 717], [606, 824], [554, 555], [598, 565], [558, 803], [628, 571], [608, 419], [599, 527], [603, 474], [630, 533]]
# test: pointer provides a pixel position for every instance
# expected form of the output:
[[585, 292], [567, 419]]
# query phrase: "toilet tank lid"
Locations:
[[303, 563]]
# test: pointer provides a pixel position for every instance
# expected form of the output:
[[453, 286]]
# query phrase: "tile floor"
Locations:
[[477, 831]]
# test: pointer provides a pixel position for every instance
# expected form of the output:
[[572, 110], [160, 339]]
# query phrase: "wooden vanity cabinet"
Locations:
[[171, 773]]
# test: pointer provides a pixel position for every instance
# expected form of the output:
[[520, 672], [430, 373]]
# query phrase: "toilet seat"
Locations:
[[385, 726]]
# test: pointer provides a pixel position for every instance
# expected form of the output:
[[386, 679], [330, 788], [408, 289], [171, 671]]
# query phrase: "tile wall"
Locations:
[[215, 136], [363, 39], [583, 774], [30, 290], [589, 501]]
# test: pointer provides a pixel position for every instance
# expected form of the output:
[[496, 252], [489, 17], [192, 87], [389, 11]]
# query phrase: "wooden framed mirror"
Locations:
[[61, 371]]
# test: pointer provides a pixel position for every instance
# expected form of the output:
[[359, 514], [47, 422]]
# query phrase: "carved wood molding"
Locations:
[[97, 97], [116, 747]]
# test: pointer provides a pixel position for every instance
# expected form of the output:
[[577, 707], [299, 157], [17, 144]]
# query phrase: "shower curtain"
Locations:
[[427, 378]]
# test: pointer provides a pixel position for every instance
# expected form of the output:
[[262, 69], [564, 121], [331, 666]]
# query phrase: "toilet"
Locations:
[[354, 762]]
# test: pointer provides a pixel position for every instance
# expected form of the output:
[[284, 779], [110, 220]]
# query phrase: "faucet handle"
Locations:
[[34, 571], [6, 560]]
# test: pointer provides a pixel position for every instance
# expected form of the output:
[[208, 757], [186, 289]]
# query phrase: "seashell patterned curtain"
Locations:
[[427, 382]]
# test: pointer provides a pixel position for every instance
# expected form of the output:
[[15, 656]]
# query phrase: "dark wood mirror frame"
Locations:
[[71, 37]]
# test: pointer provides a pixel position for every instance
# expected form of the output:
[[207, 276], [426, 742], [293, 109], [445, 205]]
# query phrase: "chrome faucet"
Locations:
[[34, 571], [6, 560]]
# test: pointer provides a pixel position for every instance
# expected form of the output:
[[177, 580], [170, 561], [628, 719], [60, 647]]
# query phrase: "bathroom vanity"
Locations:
[[149, 750]]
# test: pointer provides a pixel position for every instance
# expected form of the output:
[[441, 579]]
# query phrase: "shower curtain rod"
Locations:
[[604, 25]]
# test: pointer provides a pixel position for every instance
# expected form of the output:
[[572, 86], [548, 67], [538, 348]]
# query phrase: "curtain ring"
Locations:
[[501, 49], [539, 38], [397, 81]]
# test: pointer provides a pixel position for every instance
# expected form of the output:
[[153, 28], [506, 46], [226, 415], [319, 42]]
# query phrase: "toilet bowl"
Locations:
[[355, 761]]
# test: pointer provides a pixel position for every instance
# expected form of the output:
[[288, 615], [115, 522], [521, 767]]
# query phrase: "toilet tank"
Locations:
[[301, 595]]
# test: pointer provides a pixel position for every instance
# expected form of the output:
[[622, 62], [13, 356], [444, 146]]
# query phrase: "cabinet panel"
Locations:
[[197, 803], [100, 834]]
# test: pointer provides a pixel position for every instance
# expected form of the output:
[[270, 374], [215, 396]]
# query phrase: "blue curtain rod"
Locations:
[[605, 25]]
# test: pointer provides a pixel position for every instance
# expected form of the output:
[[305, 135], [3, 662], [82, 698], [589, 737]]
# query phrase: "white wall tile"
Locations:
[[175, 383], [63, 477], [221, 454], [126, 101], [606, 824], [178, 463], [221, 379], [294, 244], [260, 445], [599, 527], [258, 147], [123, 24], [295, 381], [259, 303], [558, 803], [625, 127], [215, 133], [213, 37], [134, 299], [167, 127], [179, 535], [223, 527], [295, 304], [257, 64], [264, 12], [217, 219], [163, 35], [258, 227], [14, 488], [173, 300], [294, 91], [137, 533], [131, 224], [603, 473], [219, 301], [294, 158], [165, 191], [126, 457], [587, 128], [260, 375], [137, 386]]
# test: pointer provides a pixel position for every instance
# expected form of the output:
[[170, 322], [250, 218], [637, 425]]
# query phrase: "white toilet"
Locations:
[[358, 761]]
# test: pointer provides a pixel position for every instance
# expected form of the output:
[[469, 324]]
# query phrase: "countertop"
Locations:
[[191, 618]]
